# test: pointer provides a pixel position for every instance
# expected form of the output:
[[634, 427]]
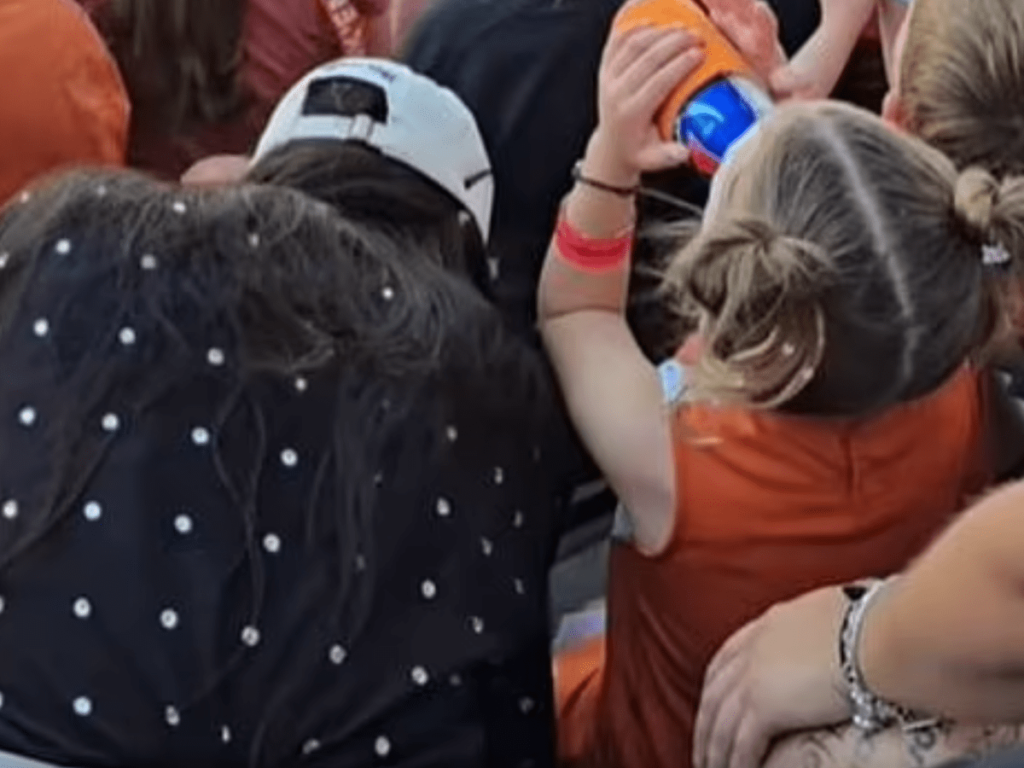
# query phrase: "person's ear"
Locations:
[[893, 110]]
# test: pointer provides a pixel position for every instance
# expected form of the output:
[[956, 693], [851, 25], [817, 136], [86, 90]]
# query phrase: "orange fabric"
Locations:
[[769, 507], [63, 100]]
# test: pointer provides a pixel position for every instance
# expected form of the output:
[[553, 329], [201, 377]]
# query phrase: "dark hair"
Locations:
[[287, 287], [377, 191], [845, 269], [180, 59], [381, 194]]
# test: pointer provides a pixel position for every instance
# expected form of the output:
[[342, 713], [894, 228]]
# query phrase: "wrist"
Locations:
[[872, 641], [602, 162]]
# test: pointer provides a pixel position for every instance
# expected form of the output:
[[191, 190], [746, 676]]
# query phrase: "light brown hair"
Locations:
[[843, 269], [962, 80]]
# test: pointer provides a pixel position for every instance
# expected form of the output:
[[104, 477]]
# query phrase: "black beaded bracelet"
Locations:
[[579, 178]]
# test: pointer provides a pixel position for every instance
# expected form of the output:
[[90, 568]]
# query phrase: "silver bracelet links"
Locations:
[[870, 713]]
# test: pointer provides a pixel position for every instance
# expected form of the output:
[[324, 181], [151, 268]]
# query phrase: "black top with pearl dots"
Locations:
[[195, 596]]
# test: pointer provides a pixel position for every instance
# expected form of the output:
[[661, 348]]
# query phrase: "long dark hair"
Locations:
[[383, 195], [289, 288], [180, 58]]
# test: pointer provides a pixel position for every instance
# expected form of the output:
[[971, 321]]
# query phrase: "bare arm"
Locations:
[[949, 636], [612, 390], [946, 638], [845, 747], [815, 69]]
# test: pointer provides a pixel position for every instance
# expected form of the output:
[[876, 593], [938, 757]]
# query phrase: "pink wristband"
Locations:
[[591, 254]]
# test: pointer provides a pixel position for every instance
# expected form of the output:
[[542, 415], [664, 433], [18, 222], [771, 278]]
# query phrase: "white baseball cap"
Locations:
[[420, 124]]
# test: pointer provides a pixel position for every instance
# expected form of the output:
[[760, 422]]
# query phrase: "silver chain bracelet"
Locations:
[[871, 714]]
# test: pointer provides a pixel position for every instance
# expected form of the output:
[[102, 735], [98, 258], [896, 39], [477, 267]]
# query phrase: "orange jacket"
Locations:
[[63, 100]]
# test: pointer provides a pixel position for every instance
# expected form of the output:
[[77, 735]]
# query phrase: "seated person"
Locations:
[[959, 87], [786, 462], [64, 103], [271, 491]]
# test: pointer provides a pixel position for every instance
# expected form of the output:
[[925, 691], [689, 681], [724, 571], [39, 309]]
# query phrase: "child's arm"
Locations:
[[612, 391], [816, 68]]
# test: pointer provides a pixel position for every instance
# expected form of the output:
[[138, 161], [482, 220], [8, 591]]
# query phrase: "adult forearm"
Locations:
[[948, 637]]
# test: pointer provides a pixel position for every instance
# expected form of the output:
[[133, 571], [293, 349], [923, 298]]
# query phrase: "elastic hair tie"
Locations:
[[995, 255]]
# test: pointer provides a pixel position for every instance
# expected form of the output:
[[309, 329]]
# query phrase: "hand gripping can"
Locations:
[[719, 105]]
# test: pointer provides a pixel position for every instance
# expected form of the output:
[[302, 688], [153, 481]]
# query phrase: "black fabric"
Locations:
[[528, 71], [180, 600]]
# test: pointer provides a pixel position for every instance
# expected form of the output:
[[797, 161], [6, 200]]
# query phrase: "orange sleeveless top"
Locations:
[[769, 506]]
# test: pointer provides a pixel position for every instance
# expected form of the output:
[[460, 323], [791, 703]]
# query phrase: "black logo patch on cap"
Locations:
[[346, 97]]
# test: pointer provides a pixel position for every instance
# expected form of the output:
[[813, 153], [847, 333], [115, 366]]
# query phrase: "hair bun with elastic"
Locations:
[[975, 199]]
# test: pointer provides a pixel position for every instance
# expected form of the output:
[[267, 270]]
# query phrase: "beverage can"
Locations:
[[716, 122], [715, 108]]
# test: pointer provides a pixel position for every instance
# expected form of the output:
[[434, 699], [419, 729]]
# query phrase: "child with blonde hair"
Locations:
[[832, 420], [958, 84]]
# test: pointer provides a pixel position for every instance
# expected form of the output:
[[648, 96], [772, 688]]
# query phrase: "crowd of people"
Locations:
[[325, 323]]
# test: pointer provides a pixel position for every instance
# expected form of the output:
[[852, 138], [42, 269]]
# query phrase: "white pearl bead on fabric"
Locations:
[[200, 436], [10, 509], [82, 608], [169, 618], [183, 524], [272, 543], [172, 716], [215, 356], [382, 746], [148, 262], [27, 416], [429, 589], [251, 636], [111, 422], [92, 511], [41, 327], [444, 508], [127, 336], [289, 458], [82, 706], [419, 676], [337, 655], [63, 247]]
